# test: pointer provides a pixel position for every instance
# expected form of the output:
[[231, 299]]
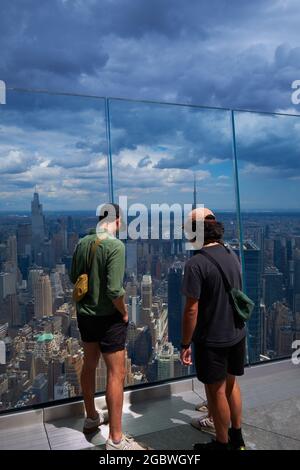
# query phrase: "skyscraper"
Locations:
[[175, 304], [40, 388], [43, 297], [282, 333], [7, 285], [61, 388], [142, 348], [131, 258], [133, 309], [280, 255], [12, 250], [14, 311], [33, 277], [272, 286], [146, 291], [24, 235], [165, 362], [37, 222]]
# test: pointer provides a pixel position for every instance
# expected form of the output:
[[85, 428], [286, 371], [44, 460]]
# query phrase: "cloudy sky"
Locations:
[[235, 54]]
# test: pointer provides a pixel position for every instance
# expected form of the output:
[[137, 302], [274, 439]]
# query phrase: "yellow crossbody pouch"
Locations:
[[81, 286]]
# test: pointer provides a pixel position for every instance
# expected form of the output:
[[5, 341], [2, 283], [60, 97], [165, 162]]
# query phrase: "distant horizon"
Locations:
[[87, 211]]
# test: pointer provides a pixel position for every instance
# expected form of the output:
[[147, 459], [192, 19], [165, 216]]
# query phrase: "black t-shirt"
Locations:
[[217, 324]]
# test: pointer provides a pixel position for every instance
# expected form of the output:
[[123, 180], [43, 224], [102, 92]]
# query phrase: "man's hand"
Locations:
[[125, 316], [121, 307], [186, 356]]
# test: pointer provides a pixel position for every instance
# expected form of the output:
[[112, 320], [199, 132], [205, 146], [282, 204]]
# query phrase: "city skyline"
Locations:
[[38, 320]]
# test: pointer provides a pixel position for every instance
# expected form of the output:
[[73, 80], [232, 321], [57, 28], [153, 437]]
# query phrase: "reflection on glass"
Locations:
[[268, 159]]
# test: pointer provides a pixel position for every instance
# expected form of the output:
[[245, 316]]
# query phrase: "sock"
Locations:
[[236, 436], [235, 432], [222, 444]]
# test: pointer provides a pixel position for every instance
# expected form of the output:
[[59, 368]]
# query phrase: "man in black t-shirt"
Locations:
[[218, 334]]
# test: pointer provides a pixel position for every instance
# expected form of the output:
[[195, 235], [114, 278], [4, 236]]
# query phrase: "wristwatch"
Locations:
[[185, 346]]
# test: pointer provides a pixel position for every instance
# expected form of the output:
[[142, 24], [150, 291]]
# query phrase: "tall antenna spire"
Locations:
[[195, 193]]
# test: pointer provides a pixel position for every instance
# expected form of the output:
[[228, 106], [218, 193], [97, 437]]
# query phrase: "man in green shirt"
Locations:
[[102, 321]]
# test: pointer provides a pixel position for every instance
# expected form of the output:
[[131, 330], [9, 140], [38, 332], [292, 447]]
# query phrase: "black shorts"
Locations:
[[109, 331], [213, 364]]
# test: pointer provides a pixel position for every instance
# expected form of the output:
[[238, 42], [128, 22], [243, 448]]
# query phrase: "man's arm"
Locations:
[[120, 305], [191, 288], [188, 326], [115, 276], [189, 319]]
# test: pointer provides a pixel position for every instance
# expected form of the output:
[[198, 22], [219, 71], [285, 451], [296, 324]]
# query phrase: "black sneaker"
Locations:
[[236, 441], [213, 445]]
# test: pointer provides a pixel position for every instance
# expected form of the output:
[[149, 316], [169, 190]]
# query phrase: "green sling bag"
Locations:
[[240, 302]]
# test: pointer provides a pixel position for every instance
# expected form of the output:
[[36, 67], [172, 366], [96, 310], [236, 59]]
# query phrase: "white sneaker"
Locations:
[[205, 424], [202, 407], [127, 443], [91, 425]]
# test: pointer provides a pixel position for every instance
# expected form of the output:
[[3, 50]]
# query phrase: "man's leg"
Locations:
[[90, 362], [209, 415], [234, 398], [115, 364], [220, 410]]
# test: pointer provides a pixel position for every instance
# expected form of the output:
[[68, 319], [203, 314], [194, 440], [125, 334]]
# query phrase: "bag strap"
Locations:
[[93, 248], [226, 283]]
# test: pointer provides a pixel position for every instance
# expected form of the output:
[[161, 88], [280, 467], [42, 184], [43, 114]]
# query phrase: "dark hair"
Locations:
[[213, 231], [110, 212]]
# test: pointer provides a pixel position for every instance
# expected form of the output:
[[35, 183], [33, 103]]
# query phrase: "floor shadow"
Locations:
[[161, 423]]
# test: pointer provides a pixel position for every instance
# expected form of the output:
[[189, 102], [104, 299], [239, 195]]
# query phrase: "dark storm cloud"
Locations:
[[197, 135], [227, 53], [204, 136], [46, 40], [269, 142]]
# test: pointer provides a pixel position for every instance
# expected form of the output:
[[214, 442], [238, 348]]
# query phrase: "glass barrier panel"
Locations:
[[53, 175], [165, 154], [268, 161]]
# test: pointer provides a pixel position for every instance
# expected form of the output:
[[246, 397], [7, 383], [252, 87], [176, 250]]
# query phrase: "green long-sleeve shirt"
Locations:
[[106, 275]]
